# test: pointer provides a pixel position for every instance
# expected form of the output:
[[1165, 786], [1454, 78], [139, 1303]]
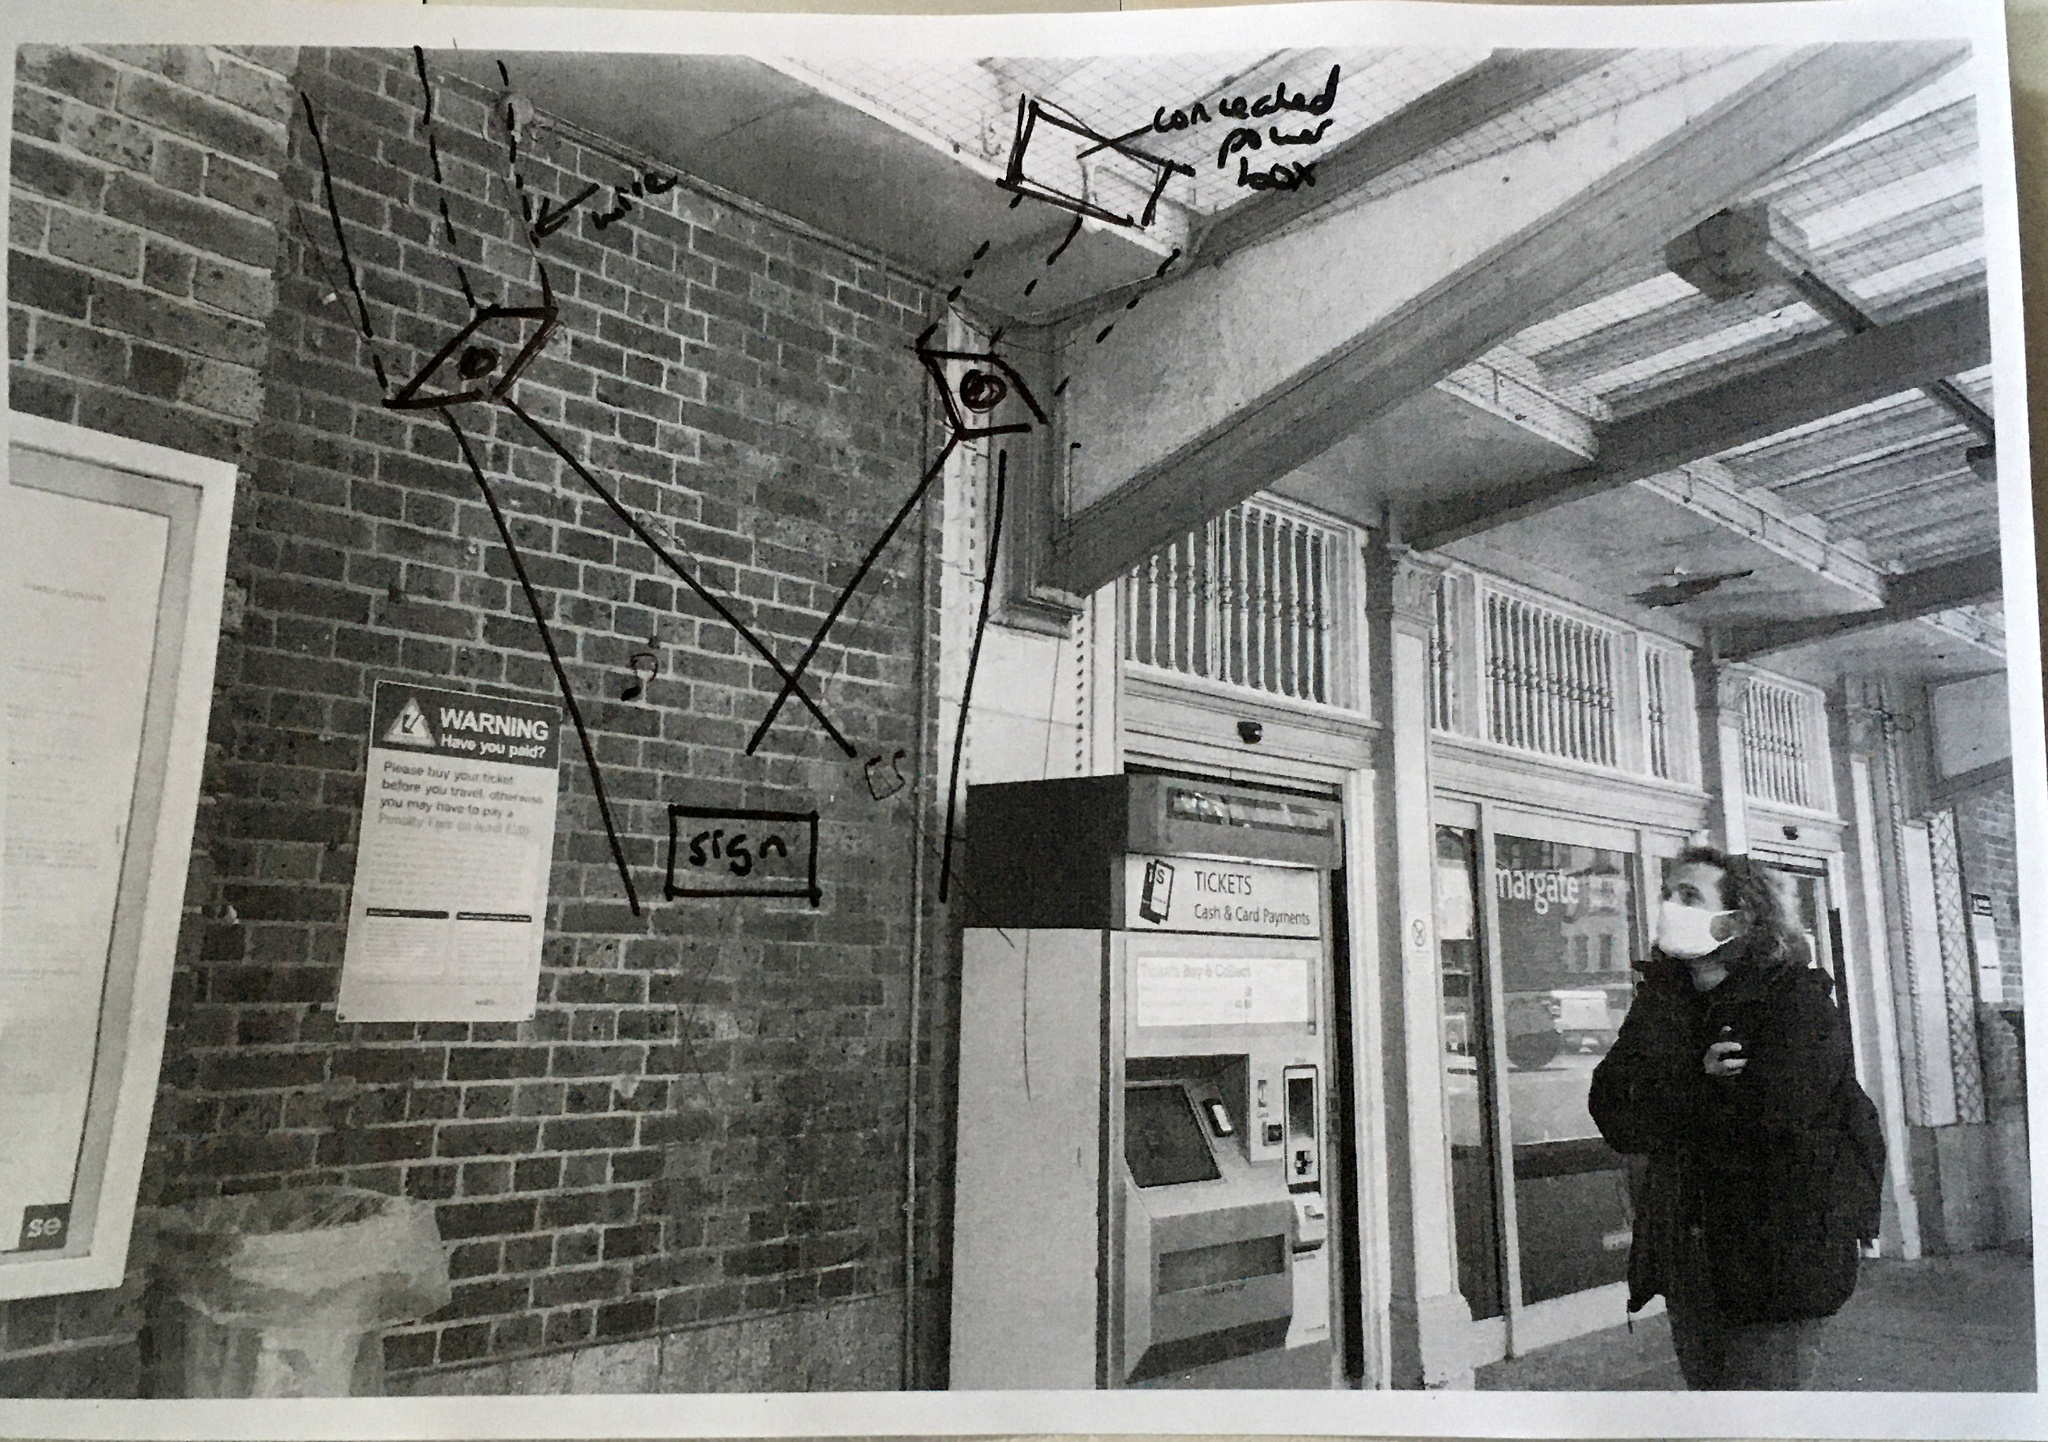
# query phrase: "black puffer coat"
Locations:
[[1735, 1201]]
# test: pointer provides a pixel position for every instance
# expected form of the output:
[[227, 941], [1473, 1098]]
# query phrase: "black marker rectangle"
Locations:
[[807, 891]]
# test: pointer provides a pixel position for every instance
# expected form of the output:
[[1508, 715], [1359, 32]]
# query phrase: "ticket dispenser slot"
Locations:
[[1304, 1158], [1210, 1257]]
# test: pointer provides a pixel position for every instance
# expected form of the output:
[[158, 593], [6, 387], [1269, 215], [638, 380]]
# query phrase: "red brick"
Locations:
[[200, 117], [318, 544], [198, 223], [44, 170], [43, 285], [67, 71]]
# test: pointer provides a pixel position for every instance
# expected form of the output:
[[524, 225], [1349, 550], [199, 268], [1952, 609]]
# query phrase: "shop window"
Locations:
[[1572, 1215], [1784, 745], [1250, 599], [1550, 681]]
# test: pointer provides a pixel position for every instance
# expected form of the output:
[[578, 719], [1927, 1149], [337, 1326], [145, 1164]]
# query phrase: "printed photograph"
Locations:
[[1312, 718]]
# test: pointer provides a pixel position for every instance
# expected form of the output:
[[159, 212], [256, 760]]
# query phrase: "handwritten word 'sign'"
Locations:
[[733, 850], [1281, 175]]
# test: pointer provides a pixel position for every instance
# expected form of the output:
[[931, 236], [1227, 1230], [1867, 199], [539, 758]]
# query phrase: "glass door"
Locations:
[[1469, 1105], [1540, 922], [1567, 937], [1808, 903]]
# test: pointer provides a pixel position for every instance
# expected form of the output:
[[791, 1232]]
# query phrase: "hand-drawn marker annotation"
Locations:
[[471, 368], [730, 851], [980, 390], [481, 375]]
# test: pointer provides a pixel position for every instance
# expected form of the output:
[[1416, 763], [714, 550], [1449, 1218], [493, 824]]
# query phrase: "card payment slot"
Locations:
[[1304, 1130]]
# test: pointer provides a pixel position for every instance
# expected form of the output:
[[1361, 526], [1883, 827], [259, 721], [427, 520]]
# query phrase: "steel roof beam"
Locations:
[[1332, 322], [1498, 84], [1805, 387], [1963, 581]]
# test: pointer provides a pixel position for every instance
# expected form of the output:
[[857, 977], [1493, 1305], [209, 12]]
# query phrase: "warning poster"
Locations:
[[451, 882]]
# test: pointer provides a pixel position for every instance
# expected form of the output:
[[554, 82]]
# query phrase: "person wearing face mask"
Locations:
[[1724, 1086]]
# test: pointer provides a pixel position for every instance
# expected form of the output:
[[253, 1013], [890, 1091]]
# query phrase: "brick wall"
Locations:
[[1984, 837], [142, 237], [704, 1120]]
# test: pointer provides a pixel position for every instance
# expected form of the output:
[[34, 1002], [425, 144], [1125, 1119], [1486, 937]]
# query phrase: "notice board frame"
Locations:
[[196, 496]]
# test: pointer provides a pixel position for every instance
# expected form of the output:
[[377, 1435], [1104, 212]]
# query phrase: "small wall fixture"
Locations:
[[645, 666], [1250, 732], [1791, 832]]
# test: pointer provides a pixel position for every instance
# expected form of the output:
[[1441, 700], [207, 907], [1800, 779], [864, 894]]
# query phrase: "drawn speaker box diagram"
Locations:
[[1061, 160]]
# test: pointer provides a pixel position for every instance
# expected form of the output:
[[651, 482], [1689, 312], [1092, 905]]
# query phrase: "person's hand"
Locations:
[[1724, 1059]]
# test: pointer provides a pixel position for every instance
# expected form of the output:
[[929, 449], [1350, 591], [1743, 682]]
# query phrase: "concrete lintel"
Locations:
[[1971, 626], [1809, 386], [1492, 384], [1706, 490], [1169, 232], [1331, 323]]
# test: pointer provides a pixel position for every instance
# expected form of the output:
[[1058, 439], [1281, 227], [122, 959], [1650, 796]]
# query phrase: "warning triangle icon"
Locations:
[[409, 727]]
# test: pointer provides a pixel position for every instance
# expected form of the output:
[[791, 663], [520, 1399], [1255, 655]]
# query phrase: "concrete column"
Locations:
[[1431, 1321], [1372, 1232], [1854, 734], [1906, 897], [1102, 669], [1718, 689]]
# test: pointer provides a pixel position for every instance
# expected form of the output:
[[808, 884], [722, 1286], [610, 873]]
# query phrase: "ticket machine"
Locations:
[[1145, 1190]]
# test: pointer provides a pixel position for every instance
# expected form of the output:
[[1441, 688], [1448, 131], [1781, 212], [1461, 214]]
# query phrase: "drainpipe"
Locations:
[[926, 681]]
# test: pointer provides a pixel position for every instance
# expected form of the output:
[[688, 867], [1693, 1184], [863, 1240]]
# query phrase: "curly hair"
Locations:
[[1748, 887]]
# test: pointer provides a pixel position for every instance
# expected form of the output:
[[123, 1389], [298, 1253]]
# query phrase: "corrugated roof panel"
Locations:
[[1892, 216], [1954, 86], [1925, 475], [1625, 304], [1599, 92], [1625, 384], [1898, 288], [1908, 420], [1884, 406], [1658, 332], [1963, 517], [1952, 220], [1886, 472], [1830, 224], [1839, 178]]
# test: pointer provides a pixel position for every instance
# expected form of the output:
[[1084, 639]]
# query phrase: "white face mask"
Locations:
[[1688, 931]]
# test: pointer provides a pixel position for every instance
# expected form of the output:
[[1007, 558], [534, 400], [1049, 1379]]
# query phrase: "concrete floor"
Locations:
[[1941, 1324]]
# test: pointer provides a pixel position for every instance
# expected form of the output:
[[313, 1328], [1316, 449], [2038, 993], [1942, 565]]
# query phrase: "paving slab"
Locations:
[[1939, 1324]]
